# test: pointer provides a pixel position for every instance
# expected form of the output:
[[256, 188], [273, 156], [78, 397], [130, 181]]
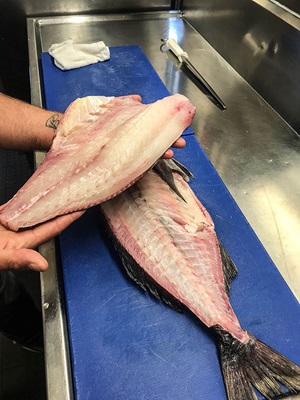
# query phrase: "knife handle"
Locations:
[[176, 49]]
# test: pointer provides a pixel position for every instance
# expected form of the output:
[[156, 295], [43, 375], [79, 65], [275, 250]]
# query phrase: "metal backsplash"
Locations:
[[262, 47], [58, 7]]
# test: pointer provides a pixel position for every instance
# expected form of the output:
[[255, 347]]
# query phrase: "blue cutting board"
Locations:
[[127, 345]]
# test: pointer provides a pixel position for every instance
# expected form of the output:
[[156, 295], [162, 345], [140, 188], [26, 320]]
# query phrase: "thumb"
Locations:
[[22, 259]]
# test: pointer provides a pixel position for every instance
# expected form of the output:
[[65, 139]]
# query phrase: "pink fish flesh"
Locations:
[[102, 146], [162, 229], [183, 250]]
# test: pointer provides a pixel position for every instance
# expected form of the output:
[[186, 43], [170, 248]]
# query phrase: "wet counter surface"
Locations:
[[254, 151]]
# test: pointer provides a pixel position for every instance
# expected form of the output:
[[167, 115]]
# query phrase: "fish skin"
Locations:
[[172, 240], [102, 146]]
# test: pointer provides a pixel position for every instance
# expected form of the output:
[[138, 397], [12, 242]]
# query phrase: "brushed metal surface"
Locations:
[[253, 149], [57, 356], [259, 44], [56, 7]]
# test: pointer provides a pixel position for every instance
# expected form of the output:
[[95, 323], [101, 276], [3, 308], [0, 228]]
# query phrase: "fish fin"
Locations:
[[171, 164], [180, 168], [255, 364], [165, 167], [229, 268]]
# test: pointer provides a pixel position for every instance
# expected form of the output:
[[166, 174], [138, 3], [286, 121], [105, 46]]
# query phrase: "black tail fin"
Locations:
[[255, 364]]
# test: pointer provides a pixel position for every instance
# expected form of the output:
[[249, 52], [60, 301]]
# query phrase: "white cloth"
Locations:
[[69, 55]]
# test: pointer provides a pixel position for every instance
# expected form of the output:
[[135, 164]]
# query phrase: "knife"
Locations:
[[183, 58]]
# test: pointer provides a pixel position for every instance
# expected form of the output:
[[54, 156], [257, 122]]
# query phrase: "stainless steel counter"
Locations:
[[255, 152]]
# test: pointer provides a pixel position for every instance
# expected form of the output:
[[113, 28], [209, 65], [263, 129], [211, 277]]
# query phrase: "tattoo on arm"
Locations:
[[53, 122]]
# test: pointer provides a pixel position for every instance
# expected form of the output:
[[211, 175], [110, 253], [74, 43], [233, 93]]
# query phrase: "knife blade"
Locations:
[[183, 58]]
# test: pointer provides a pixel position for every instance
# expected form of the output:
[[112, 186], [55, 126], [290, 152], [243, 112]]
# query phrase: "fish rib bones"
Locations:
[[102, 146]]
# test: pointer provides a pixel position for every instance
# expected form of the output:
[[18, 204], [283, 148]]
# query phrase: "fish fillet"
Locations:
[[102, 146], [168, 245]]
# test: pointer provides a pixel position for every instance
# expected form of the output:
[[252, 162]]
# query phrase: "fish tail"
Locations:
[[254, 364]]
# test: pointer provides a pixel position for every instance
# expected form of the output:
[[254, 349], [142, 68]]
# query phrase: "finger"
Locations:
[[22, 259], [168, 154], [46, 231], [179, 143]]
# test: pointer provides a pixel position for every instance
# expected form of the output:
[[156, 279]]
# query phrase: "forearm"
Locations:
[[26, 127]]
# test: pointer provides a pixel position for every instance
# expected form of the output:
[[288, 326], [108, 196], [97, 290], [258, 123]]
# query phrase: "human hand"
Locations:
[[179, 144], [16, 248]]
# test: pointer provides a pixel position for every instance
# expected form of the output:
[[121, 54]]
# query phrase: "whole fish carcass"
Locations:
[[168, 245], [101, 147]]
